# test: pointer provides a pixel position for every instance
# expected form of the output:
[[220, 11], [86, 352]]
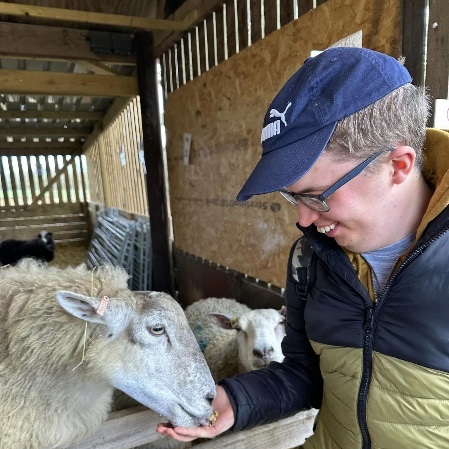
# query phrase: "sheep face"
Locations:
[[148, 351], [259, 334]]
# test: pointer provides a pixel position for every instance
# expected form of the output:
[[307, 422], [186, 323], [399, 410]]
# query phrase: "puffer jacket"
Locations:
[[378, 371]]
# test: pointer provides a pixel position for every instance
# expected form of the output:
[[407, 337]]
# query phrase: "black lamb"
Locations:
[[42, 247]]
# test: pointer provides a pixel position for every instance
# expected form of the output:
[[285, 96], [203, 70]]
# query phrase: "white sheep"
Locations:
[[235, 338], [41, 247], [69, 336]]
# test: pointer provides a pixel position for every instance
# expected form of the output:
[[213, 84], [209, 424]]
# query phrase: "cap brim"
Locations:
[[284, 166]]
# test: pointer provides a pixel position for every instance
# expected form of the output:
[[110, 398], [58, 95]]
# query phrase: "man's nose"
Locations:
[[306, 216]]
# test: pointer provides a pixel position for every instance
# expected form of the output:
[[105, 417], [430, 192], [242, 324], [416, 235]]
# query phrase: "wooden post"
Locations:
[[162, 279], [413, 38]]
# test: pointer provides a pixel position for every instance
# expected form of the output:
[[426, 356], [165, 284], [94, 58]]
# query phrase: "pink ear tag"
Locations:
[[103, 304]]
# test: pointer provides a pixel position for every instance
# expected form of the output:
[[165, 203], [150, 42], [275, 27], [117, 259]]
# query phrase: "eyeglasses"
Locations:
[[318, 202]]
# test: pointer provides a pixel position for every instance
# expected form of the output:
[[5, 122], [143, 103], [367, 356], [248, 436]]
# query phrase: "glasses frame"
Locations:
[[304, 197]]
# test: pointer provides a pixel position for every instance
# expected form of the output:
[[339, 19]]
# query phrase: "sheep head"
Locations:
[[145, 346], [259, 334]]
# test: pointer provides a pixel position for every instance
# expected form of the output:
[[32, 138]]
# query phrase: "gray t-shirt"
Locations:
[[382, 260]]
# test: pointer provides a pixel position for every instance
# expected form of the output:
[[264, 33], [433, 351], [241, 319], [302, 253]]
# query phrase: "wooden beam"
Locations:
[[162, 263], [52, 44], [61, 115], [21, 82], [414, 38], [42, 151], [95, 18], [98, 68], [164, 39], [136, 426], [39, 146], [45, 132], [62, 170]]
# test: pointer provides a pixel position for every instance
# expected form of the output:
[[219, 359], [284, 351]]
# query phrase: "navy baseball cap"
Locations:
[[302, 117]]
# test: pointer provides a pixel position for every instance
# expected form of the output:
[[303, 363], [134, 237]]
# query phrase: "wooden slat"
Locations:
[[23, 191], [122, 135], [138, 139], [47, 132], [61, 178], [12, 179], [3, 162], [52, 83], [83, 176], [31, 176], [58, 181], [164, 39], [75, 181], [88, 17], [57, 115], [304, 6], [40, 210], [50, 173], [121, 432]]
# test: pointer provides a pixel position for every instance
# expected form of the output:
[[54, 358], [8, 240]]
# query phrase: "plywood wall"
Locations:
[[223, 109]]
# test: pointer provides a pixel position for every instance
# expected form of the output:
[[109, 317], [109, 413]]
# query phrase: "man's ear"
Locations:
[[402, 161]]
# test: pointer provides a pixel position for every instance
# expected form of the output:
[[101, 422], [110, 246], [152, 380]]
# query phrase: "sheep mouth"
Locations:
[[189, 420]]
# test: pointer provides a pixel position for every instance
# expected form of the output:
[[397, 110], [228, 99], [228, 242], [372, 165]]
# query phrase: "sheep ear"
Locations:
[[283, 311], [223, 321], [86, 308]]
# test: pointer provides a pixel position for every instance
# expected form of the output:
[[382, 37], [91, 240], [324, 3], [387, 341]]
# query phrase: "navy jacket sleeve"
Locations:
[[282, 389]]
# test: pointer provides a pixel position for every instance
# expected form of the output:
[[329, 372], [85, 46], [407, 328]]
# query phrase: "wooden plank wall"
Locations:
[[39, 191], [223, 109], [48, 178], [236, 25], [116, 166], [68, 222]]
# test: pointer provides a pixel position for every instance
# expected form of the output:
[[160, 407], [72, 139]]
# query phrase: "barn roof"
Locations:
[[67, 67]]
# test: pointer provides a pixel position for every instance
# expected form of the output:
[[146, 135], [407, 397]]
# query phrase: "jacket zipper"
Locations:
[[372, 314]]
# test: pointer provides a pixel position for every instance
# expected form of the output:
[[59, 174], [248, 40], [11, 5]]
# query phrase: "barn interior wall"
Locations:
[[223, 110]]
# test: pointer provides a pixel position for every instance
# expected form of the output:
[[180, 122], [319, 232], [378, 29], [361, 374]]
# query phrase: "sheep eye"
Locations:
[[157, 330]]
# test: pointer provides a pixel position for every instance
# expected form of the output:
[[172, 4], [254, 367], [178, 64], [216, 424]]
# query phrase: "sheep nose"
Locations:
[[264, 353]]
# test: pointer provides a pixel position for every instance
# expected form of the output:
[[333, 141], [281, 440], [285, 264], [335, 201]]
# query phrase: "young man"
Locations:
[[367, 288]]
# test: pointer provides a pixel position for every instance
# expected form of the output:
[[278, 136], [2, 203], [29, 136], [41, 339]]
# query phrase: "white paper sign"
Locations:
[[187, 143], [441, 116]]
